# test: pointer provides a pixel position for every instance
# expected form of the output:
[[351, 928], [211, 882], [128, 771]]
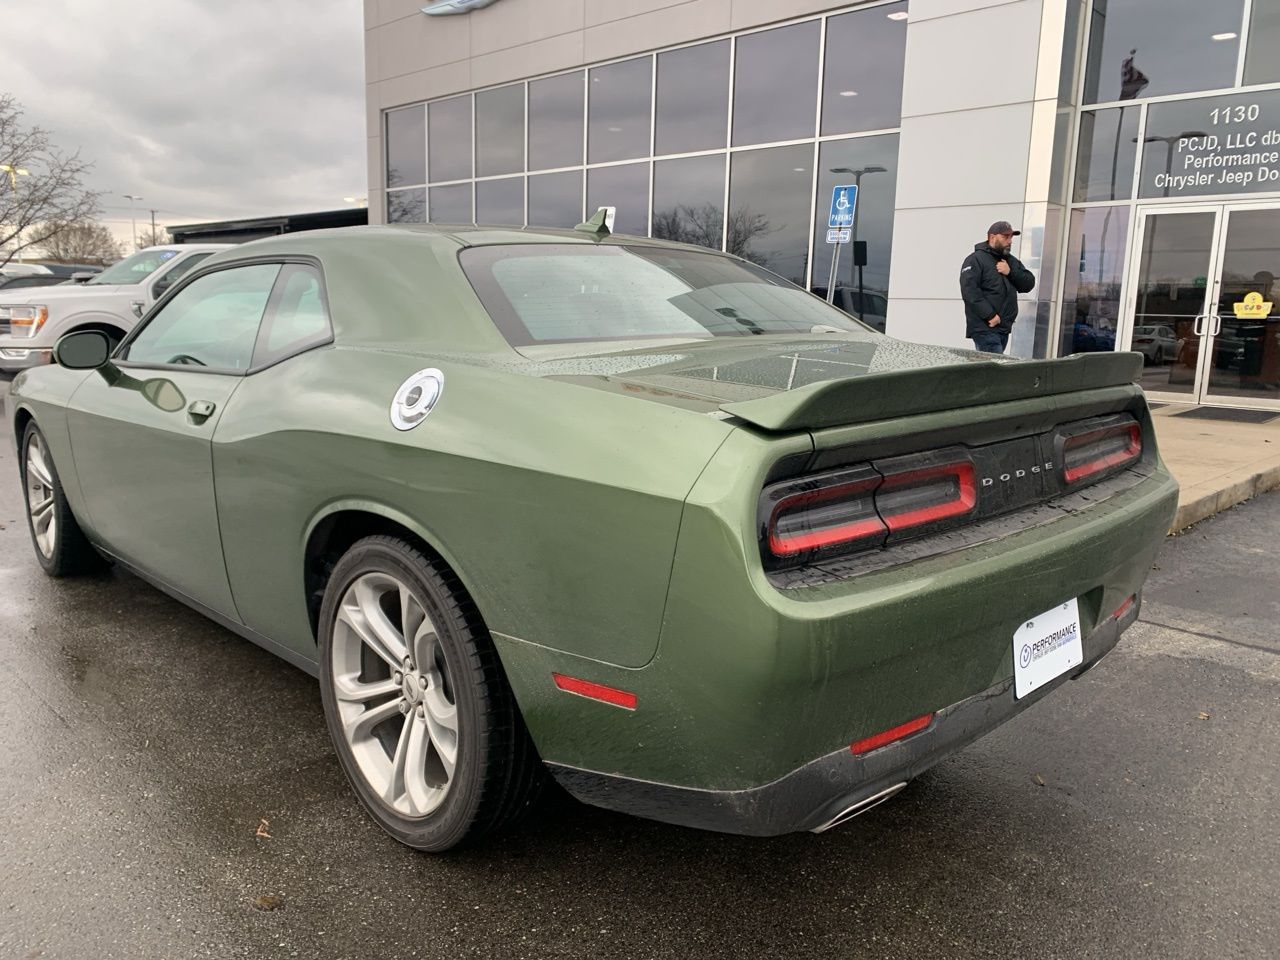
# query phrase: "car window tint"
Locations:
[[554, 293], [297, 318], [212, 322]]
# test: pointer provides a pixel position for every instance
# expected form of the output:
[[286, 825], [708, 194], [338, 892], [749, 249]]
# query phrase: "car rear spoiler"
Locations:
[[881, 396]]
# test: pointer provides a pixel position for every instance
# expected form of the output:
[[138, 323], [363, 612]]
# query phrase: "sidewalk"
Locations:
[[1218, 463]]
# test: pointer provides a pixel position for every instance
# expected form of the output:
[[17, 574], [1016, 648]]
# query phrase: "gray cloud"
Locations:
[[206, 108]]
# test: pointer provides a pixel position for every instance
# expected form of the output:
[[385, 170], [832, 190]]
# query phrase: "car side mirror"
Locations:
[[139, 307], [82, 350], [159, 287]]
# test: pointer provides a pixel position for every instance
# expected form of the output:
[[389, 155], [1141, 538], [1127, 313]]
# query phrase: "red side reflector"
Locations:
[[595, 691], [878, 740], [1123, 608]]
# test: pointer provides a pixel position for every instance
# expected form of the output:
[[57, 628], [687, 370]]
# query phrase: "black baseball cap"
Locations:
[[1001, 227]]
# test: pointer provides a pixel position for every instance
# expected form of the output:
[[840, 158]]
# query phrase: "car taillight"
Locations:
[[921, 492], [1091, 449], [819, 514]]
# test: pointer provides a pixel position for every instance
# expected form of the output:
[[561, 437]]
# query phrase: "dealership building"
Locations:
[[1136, 143]]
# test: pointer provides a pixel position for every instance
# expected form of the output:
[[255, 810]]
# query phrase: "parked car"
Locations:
[[638, 515], [32, 320], [1156, 343]]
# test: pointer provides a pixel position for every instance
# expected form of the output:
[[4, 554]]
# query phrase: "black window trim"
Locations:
[[203, 271]]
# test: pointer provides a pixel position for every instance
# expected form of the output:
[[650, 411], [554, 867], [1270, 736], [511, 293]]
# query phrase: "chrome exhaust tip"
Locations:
[[862, 806]]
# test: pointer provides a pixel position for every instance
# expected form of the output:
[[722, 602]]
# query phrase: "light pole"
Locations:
[[14, 173], [132, 219], [835, 258]]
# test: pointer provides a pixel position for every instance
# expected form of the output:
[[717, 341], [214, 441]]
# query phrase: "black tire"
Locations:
[[70, 552], [498, 773]]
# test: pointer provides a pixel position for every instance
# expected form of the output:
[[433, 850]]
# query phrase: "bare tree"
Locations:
[[83, 242], [702, 224], [42, 190], [159, 237]]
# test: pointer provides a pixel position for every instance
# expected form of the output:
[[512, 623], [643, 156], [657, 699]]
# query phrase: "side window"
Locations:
[[212, 322], [297, 316], [176, 273]]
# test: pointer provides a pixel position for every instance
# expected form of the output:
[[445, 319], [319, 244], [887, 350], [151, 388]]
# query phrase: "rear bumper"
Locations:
[[819, 794]]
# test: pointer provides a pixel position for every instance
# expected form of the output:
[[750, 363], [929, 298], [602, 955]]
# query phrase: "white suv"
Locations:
[[32, 319]]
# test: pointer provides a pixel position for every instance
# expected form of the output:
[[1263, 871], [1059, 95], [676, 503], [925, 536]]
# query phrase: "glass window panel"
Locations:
[[299, 318], [776, 84], [212, 321], [500, 131], [1261, 64], [693, 98], [555, 199], [625, 187], [1212, 146], [1141, 48], [407, 206], [688, 200], [406, 147], [1095, 269], [862, 72], [862, 272], [500, 201], [618, 112], [1108, 151], [1246, 349], [769, 194], [451, 204], [555, 122], [449, 139]]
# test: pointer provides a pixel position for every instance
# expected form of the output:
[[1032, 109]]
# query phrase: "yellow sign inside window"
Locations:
[[1253, 307]]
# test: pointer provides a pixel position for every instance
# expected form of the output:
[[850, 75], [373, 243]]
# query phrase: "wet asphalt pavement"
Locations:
[[1133, 814]]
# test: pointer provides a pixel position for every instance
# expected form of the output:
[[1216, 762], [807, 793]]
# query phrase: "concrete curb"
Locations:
[[1211, 503]]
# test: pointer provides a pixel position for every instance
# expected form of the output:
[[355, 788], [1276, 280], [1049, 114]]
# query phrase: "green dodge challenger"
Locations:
[[639, 516]]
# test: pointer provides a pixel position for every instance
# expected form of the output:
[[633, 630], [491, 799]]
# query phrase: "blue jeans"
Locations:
[[990, 341]]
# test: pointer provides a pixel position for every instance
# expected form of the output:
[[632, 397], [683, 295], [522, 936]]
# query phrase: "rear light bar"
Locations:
[[862, 507], [1093, 449]]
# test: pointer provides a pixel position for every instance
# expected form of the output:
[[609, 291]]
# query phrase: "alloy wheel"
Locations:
[[41, 497], [394, 694]]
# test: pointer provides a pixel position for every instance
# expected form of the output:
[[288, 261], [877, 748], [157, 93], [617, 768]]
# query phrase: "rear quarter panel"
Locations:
[[558, 507]]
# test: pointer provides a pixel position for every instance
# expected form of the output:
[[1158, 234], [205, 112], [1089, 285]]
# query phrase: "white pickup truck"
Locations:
[[33, 318]]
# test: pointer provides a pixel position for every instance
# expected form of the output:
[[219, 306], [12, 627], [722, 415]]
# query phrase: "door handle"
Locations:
[[1217, 324], [201, 409], [1197, 327]]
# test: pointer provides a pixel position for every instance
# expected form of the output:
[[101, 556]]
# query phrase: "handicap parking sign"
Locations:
[[844, 199]]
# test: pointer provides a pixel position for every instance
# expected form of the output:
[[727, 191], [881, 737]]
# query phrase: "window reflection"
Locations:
[[1141, 48], [863, 70], [1095, 270], [407, 206], [862, 270], [618, 111], [500, 201], [1108, 151], [693, 98], [449, 139], [451, 204], [625, 187], [688, 200], [555, 122], [776, 84], [1261, 64], [500, 131], [555, 199], [769, 194], [406, 147]]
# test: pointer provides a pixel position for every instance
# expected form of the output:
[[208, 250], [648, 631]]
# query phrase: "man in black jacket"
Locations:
[[990, 280]]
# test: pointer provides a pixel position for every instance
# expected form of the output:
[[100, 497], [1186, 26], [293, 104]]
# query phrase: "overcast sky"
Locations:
[[208, 109]]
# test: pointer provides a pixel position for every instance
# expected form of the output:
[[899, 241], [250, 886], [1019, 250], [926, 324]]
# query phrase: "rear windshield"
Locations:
[[558, 293]]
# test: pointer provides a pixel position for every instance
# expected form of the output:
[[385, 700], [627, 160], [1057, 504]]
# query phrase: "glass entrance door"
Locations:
[[1243, 338], [1171, 298], [1201, 304]]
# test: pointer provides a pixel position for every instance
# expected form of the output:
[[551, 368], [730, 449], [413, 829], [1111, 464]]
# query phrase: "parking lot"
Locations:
[[160, 776]]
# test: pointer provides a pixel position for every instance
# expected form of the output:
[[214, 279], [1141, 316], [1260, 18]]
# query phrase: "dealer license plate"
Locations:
[[1045, 647]]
